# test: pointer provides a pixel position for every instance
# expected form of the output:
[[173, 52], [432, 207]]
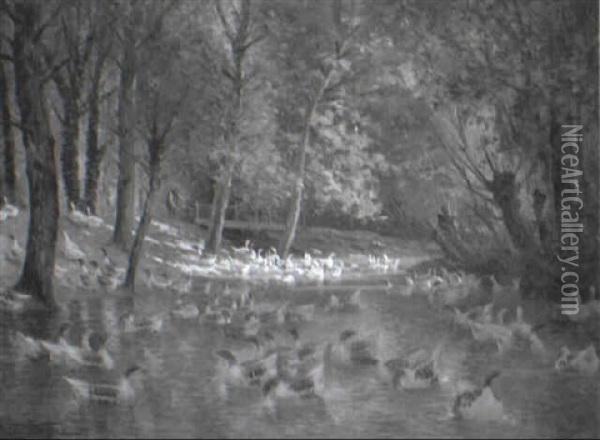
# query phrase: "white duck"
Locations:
[[70, 250], [16, 252], [80, 219], [8, 210]]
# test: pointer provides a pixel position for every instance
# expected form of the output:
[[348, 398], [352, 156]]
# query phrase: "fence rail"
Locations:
[[237, 218]]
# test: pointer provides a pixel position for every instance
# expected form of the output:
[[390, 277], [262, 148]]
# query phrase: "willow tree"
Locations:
[[512, 57]]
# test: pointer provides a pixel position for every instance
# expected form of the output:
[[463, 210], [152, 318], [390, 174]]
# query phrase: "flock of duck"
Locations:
[[273, 356]]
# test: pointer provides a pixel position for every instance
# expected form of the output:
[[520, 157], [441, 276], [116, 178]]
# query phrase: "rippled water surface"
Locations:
[[180, 395]]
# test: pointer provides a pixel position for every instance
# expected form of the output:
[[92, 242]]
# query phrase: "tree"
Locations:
[[125, 117], [318, 76], [77, 35], [238, 28], [33, 66], [95, 152], [161, 97], [8, 175], [512, 58], [137, 28]]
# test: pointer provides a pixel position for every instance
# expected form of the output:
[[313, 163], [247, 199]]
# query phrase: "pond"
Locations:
[[181, 394]]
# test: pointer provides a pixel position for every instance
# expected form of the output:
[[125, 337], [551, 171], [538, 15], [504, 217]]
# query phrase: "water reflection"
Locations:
[[181, 392]]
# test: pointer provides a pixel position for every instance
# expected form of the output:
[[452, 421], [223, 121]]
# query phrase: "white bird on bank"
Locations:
[[80, 219], [70, 250], [8, 211], [16, 252]]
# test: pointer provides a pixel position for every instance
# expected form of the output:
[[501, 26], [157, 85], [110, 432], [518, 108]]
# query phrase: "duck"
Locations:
[[417, 371], [62, 352], [519, 326], [250, 372], [249, 327], [354, 351], [92, 220], [186, 287], [218, 317], [122, 392], [461, 319], [522, 330], [302, 350], [247, 300], [293, 381], [501, 335], [290, 387], [80, 219], [151, 324], [28, 347], [36, 349], [349, 305], [108, 282], [70, 250], [272, 315], [109, 268], [480, 403], [93, 353], [154, 282], [584, 361], [16, 252], [188, 311], [302, 313], [12, 301], [8, 210], [85, 276]]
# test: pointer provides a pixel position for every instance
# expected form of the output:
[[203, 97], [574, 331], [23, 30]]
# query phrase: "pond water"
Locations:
[[180, 397]]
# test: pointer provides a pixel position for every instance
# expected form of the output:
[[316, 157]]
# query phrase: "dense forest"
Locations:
[[413, 119]]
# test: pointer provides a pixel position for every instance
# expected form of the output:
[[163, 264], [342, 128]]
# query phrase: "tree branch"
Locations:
[[226, 25]]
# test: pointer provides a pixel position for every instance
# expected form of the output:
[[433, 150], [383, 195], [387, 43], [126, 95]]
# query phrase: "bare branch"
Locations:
[[38, 34], [252, 42], [229, 32], [8, 11]]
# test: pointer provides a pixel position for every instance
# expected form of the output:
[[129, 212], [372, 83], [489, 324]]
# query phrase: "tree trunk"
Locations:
[[8, 139], [156, 150], [37, 275], [94, 153], [219, 211], [295, 208], [126, 120], [293, 218], [505, 191], [140, 235], [69, 153]]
